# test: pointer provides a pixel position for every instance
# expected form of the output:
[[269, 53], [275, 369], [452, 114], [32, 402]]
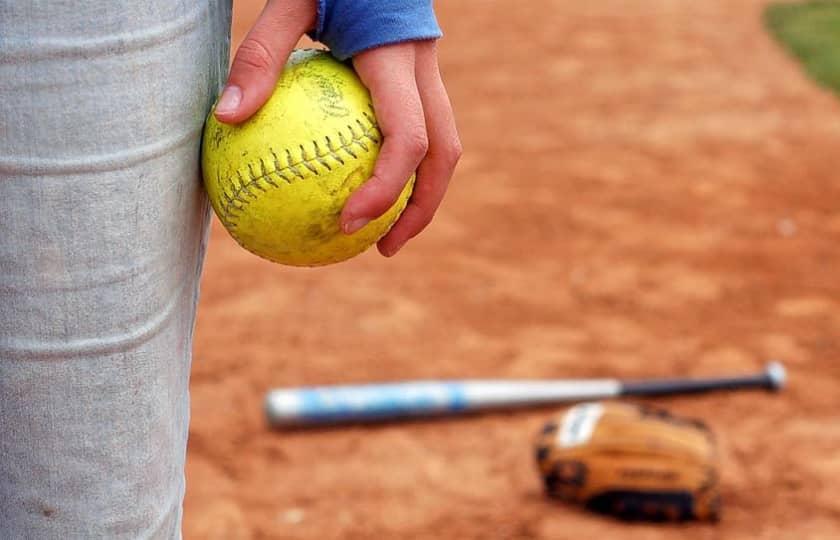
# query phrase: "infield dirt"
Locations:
[[648, 188]]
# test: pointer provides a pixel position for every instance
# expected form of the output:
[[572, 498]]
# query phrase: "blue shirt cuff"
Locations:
[[349, 27]]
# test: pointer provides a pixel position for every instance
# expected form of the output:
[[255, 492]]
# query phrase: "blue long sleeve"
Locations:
[[349, 27]]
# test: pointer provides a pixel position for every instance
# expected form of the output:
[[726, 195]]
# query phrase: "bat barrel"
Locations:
[[377, 402], [362, 403]]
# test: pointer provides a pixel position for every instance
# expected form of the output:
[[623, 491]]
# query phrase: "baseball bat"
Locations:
[[330, 405]]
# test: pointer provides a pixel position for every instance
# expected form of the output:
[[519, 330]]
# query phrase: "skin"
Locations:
[[411, 103]]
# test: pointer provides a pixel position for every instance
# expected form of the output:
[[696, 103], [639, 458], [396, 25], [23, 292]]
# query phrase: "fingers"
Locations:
[[388, 72], [443, 154], [261, 57]]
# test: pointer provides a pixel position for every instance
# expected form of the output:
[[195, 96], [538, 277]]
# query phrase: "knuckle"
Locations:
[[381, 195], [425, 191], [453, 152], [416, 143], [423, 220], [384, 204], [255, 55]]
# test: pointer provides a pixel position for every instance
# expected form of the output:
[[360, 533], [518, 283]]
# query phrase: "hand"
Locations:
[[412, 108]]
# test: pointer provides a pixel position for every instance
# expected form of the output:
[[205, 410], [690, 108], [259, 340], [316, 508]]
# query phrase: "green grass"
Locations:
[[811, 31]]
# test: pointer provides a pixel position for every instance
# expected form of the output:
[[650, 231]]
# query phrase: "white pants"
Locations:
[[103, 226]]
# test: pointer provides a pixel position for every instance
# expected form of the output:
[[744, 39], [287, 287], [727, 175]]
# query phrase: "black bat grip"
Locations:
[[773, 378]]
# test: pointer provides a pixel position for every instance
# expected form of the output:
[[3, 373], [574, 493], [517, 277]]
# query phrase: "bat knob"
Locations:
[[776, 375]]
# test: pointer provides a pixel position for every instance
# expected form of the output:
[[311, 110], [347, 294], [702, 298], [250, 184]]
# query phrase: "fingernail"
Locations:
[[230, 100], [354, 225]]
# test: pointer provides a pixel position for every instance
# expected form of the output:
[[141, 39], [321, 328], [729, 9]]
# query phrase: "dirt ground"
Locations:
[[649, 188]]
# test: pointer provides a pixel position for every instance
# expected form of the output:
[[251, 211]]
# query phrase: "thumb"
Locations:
[[261, 57]]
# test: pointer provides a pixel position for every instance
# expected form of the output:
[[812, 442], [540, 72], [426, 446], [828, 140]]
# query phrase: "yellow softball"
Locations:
[[279, 180]]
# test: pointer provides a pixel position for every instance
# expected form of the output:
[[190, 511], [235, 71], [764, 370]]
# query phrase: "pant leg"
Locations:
[[103, 225]]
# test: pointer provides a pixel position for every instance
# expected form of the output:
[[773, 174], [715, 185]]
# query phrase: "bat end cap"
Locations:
[[776, 375]]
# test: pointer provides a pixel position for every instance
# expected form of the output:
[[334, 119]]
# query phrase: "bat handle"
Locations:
[[363, 403], [773, 377]]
